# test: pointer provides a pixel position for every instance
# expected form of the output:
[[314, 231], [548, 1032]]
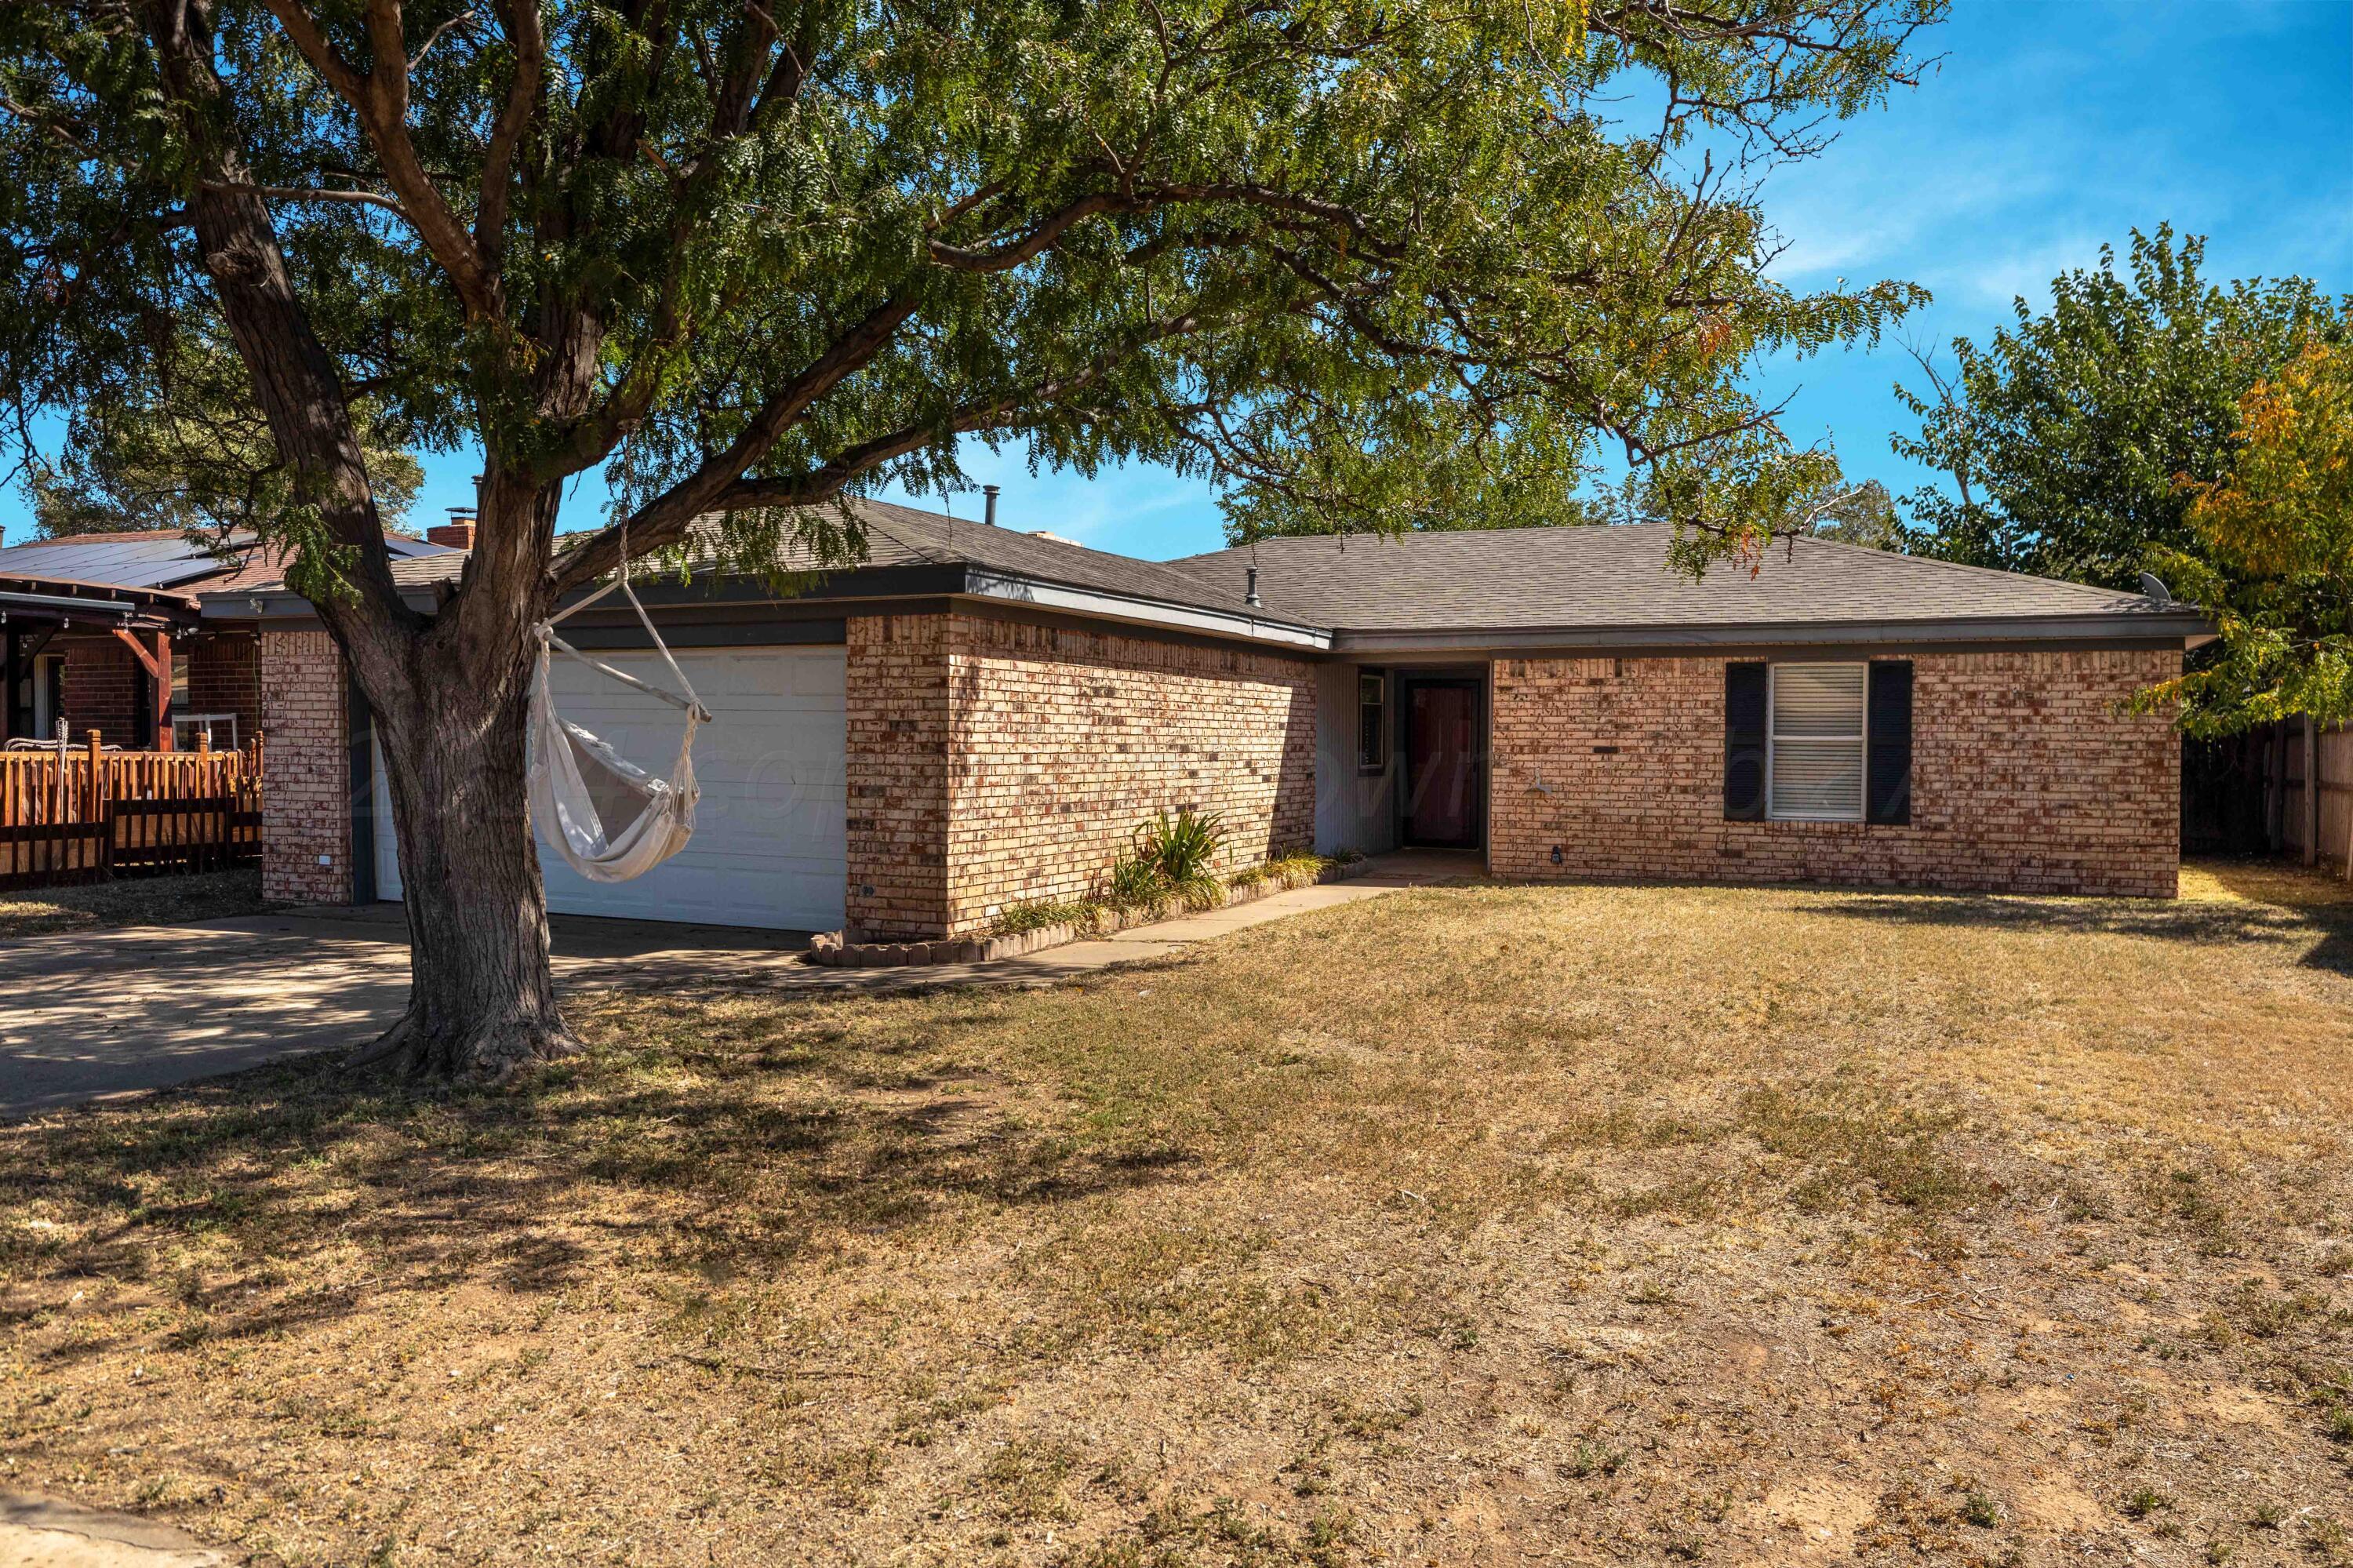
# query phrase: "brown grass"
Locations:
[[140, 901], [1612, 1224]]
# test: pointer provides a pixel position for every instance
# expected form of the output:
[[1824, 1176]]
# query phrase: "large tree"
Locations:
[[1364, 261], [2064, 438]]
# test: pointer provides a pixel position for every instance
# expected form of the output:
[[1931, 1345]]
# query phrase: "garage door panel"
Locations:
[[770, 845]]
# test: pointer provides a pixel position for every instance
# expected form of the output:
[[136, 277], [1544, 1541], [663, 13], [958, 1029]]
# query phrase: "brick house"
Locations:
[[108, 634], [978, 718]]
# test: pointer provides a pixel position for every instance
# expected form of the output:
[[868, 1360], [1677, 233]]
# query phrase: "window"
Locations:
[[48, 695], [1815, 741], [1372, 724]]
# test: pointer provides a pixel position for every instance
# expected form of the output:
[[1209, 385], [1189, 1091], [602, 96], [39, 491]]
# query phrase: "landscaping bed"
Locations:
[[1031, 927], [1482, 1224]]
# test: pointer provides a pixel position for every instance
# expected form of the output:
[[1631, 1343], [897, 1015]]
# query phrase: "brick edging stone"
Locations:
[[830, 950]]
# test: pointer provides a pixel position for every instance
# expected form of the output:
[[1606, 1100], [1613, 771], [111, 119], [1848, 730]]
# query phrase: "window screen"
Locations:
[[1816, 745]]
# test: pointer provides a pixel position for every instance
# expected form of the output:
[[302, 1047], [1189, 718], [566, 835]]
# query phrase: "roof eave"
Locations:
[[275, 603], [1250, 626], [2108, 626]]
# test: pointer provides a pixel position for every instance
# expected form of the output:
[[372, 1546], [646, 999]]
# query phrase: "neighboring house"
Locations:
[[979, 718], [105, 632]]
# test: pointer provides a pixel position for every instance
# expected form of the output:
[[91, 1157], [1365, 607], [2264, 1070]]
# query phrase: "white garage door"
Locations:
[[770, 846]]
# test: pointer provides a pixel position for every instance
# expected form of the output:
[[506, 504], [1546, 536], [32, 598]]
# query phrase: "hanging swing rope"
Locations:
[[562, 803]]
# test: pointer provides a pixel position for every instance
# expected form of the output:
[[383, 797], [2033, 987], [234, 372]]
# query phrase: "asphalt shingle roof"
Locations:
[[1616, 577], [1515, 581], [899, 535], [903, 537]]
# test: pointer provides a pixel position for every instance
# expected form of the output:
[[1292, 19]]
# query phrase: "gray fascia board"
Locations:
[[1006, 588], [2190, 629], [748, 596]]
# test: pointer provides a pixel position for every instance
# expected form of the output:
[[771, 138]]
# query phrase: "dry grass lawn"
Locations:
[[1590, 1225], [133, 901]]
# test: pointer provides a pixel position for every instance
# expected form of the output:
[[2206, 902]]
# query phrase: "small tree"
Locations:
[[2066, 436], [1366, 263], [1864, 515], [2273, 562], [189, 449]]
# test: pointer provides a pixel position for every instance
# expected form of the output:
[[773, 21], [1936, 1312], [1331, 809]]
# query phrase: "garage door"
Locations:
[[770, 845]]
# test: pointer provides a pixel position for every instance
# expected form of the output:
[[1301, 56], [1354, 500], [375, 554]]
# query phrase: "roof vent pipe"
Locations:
[[988, 504], [1250, 587]]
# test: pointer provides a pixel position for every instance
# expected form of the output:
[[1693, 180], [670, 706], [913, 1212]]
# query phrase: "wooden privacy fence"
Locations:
[[2315, 793], [2280, 789], [93, 814]]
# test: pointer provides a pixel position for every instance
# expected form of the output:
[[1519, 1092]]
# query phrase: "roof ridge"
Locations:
[[1814, 541], [1811, 542]]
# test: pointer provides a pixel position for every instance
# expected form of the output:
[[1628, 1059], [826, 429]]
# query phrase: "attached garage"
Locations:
[[770, 846]]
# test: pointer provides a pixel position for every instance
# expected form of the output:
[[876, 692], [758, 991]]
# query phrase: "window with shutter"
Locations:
[[1745, 687], [1890, 729], [1815, 742]]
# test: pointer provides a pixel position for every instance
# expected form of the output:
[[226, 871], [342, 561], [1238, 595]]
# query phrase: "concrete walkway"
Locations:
[[92, 1015], [45, 1532]]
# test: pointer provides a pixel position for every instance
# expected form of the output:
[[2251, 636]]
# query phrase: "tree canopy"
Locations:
[[189, 451], [2274, 555], [1367, 265], [1864, 515], [2067, 436]]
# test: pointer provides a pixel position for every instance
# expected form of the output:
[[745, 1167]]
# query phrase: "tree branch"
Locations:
[[664, 520], [521, 19], [314, 193], [1004, 258], [380, 98]]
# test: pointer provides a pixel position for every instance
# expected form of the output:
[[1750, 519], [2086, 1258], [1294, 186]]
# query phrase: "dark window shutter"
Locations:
[[1744, 702], [1891, 742]]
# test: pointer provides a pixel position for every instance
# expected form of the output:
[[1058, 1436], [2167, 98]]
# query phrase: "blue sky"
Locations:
[[2048, 129]]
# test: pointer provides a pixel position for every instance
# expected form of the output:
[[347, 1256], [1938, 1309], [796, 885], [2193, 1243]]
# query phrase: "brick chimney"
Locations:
[[458, 533]]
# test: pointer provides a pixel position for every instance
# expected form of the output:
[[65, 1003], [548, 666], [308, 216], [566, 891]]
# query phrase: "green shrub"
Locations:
[[1135, 880], [1182, 848]]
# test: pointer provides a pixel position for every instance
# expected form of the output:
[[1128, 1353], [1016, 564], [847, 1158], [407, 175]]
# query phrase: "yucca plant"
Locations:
[[1183, 847], [1135, 880]]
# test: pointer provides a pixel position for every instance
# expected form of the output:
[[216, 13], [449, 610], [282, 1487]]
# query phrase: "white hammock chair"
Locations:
[[563, 803]]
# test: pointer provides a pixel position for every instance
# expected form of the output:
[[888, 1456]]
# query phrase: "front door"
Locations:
[[1444, 804]]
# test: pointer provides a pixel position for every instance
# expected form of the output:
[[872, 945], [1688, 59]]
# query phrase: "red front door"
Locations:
[[1443, 802]]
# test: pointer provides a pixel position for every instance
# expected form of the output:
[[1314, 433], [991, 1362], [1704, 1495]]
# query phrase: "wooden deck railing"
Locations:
[[36, 791], [93, 813]]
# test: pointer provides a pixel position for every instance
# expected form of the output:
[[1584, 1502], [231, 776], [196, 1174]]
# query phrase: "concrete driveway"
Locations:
[[90, 1014], [94, 1015]]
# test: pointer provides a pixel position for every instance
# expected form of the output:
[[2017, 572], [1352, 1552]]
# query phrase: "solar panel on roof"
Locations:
[[127, 563]]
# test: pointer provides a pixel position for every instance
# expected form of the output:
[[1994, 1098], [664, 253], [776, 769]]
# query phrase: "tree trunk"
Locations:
[[482, 1002]]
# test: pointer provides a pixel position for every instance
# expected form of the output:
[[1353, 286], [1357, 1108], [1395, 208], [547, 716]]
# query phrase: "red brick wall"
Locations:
[[306, 809], [101, 685], [101, 689], [994, 762], [225, 677], [2025, 777], [897, 772]]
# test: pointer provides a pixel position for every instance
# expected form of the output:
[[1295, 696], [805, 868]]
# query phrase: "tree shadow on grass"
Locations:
[[2260, 912], [711, 1155]]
